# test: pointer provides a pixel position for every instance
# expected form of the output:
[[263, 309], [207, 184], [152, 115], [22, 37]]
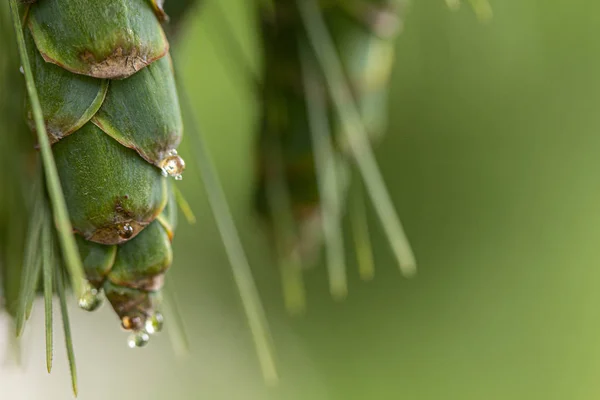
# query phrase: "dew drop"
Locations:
[[126, 231], [155, 324], [138, 339], [21, 70], [172, 165], [91, 300]]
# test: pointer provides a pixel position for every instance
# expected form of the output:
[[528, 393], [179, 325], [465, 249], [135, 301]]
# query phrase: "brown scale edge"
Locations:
[[115, 66]]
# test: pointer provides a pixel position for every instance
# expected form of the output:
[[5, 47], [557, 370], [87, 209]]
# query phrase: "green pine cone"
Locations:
[[107, 90]]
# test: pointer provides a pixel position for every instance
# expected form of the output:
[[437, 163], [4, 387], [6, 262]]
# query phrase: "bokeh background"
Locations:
[[492, 161]]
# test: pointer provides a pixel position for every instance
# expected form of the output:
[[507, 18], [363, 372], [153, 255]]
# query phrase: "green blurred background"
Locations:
[[491, 159]]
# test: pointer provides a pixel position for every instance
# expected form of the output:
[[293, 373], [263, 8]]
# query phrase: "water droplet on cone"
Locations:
[[172, 165], [91, 300], [126, 231], [138, 339], [155, 324]]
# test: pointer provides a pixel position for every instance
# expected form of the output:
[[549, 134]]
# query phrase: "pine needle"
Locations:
[[48, 263], [34, 283], [360, 232], [326, 54], [59, 208], [242, 272], [28, 277], [285, 233], [325, 162], [62, 295], [184, 206], [38, 257], [292, 284]]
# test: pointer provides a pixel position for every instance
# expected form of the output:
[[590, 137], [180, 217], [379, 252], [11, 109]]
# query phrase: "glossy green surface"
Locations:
[[141, 261], [109, 185], [138, 263], [142, 112], [98, 259], [104, 38], [68, 101], [110, 132]]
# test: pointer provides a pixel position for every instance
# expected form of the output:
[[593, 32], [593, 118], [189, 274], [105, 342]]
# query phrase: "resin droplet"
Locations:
[[172, 165], [132, 323], [126, 231], [91, 300], [154, 324], [138, 339]]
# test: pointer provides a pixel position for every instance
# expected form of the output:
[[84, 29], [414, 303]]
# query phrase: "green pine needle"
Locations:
[[62, 295], [242, 272], [48, 264], [327, 180], [360, 232], [34, 283], [28, 278], [326, 54], [292, 283], [184, 206], [285, 233], [59, 208]]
